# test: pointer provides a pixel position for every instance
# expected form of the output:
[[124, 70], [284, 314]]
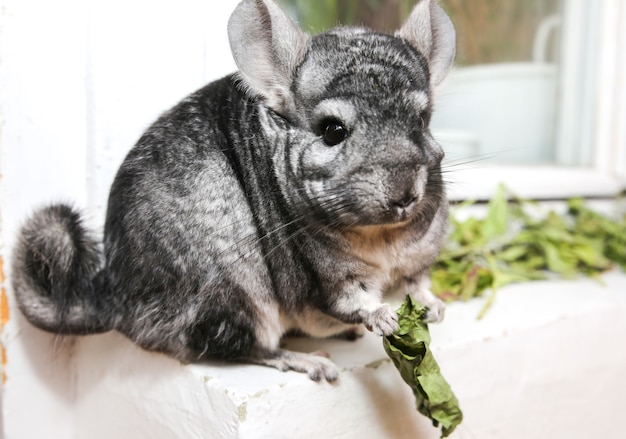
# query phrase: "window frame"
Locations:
[[604, 124]]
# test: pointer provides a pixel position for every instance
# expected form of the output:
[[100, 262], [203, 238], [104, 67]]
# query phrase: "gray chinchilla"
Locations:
[[290, 196]]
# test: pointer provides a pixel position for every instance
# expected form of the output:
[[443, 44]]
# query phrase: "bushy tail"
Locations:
[[55, 273]]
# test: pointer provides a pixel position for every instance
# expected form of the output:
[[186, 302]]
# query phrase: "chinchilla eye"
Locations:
[[333, 132]]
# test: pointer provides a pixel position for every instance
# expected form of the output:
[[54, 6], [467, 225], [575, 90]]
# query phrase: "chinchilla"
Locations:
[[290, 196]]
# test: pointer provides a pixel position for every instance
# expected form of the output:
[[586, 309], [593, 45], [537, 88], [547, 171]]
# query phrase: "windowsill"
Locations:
[[547, 355], [478, 181]]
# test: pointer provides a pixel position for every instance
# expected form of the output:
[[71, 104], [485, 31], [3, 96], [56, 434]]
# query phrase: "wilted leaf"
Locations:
[[409, 350]]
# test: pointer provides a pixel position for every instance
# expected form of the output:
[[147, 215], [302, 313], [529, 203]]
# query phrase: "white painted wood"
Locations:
[[578, 81], [610, 119], [478, 181], [545, 362]]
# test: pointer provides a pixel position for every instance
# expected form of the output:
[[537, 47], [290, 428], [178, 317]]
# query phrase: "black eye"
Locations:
[[333, 132]]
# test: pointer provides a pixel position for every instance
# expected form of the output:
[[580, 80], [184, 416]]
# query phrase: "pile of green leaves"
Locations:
[[511, 245], [409, 350]]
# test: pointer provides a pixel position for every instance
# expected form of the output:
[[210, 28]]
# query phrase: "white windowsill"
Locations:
[[547, 361], [479, 181]]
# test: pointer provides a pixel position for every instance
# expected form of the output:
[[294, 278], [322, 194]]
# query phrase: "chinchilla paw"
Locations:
[[316, 365], [436, 311], [382, 321]]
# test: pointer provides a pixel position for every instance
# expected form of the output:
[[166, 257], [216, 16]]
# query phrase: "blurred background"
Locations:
[[500, 104], [537, 87], [489, 31]]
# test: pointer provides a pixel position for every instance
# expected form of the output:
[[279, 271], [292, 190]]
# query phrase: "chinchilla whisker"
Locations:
[[257, 241], [253, 239], [291, 236], [463, 162], [288, 239], [318, 228]]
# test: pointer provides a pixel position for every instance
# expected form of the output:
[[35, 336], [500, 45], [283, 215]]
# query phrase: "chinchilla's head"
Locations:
[[350, 111]]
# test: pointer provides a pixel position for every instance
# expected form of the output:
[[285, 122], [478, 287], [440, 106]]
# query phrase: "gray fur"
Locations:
[[232, 221]]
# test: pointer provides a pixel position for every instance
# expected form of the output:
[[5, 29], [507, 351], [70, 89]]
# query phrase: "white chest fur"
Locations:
[[391, 254]]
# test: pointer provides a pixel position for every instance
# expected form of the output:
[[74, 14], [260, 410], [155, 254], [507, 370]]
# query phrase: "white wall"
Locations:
[[79, 82], [143, 57]]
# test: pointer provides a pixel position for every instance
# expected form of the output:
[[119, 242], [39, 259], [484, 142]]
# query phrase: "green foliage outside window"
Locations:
[[488, 30]]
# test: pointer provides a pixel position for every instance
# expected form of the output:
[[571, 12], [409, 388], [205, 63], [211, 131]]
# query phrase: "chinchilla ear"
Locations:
[[267, 47], [431, 31]]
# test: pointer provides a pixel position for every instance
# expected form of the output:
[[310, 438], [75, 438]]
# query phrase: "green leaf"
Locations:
[[590, 253], [513, 253], [469, 284], [558, 259], [409, 350], [514, 244], [467, 233], [496, 222]]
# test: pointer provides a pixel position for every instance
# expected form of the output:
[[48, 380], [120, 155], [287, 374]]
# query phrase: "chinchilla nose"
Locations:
[[404, 200], [403, 190], [403, 195], [403, 205]]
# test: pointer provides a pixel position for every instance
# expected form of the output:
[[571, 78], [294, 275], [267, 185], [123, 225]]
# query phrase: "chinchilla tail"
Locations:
[[56, 273]]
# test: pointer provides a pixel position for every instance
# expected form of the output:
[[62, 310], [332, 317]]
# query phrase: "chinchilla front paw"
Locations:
[[436, 308], [436, 311], [382, 321]]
